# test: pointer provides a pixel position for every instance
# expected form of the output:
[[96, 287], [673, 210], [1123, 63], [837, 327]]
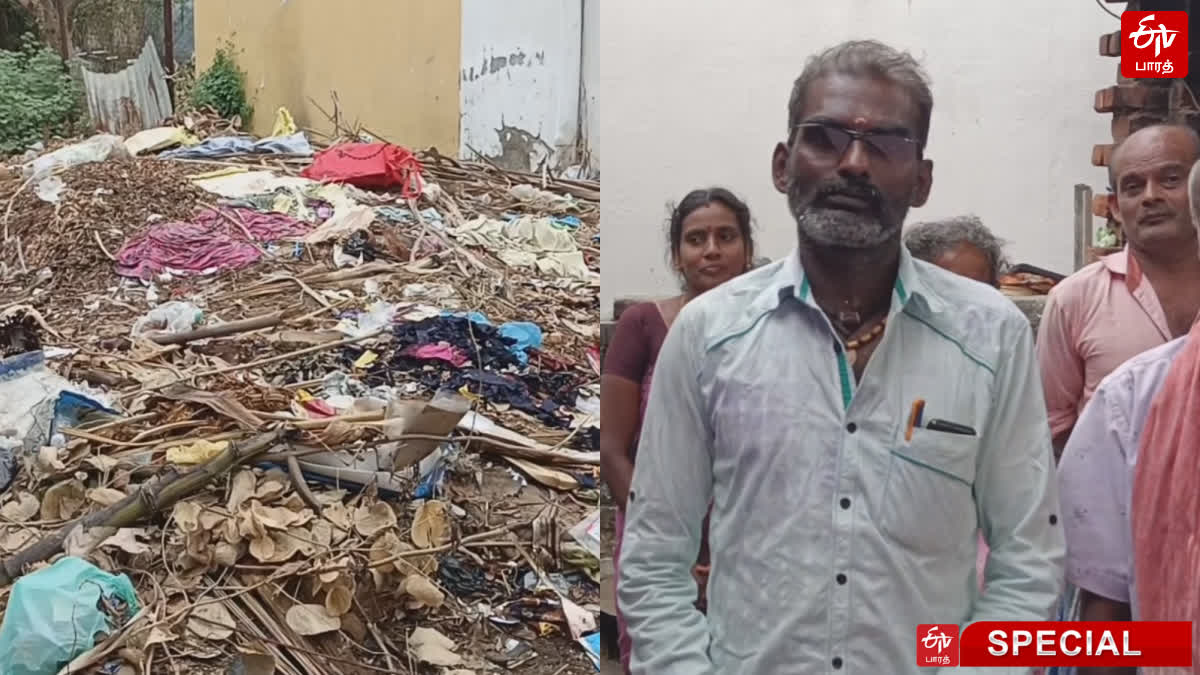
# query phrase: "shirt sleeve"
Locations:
[[628, 351], [1093, 479], [672, 484], [1062, 368], [1016, 493]]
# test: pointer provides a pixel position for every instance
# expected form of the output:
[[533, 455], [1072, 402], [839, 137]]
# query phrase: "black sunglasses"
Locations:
[[832, 142]]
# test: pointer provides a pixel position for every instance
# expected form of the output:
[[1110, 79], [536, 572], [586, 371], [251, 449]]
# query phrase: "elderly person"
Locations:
[[962, 245], [853, 416]]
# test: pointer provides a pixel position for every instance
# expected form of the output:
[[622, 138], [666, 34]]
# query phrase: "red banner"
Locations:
[[1071, 643]]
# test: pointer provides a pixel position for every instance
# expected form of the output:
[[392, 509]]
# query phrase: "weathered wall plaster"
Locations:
[[520, 76]]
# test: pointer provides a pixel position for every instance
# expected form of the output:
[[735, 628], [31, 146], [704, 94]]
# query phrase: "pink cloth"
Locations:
[[624, 644], [213, 240], [1094, 320], [439, 352], [1166, 504]]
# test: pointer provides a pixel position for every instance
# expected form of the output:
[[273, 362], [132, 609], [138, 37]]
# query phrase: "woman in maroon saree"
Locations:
[[710, 243]]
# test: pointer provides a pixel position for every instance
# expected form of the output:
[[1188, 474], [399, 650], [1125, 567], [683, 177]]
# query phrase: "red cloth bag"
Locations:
[[368, 165]]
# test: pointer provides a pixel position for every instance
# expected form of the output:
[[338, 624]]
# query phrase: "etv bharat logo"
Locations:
[[937, 645], [1154, 44]]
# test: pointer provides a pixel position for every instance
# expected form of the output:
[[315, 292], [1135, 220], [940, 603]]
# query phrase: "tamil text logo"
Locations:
[[937, 645], [1154, 44]]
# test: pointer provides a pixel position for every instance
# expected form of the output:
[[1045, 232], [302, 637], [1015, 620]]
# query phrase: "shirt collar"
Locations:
[[1125, 265], [910, 283]]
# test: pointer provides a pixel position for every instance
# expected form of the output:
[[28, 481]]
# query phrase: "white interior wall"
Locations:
[[521, 63], [591, 74], [695, 93]]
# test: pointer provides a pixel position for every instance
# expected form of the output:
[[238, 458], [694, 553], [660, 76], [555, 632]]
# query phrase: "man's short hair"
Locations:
[[866, 58], [1112, 157], [929, 240]]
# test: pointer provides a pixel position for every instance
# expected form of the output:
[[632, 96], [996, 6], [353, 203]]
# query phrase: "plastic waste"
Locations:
[[525, 335], [55, 614], [95, 149], [587, 533], [34, 402], [378, 316], [432, 472], [284, 124], [172, 317], [49, 189]]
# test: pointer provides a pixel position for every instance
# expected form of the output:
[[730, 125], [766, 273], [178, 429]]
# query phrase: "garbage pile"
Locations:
[[269, 406]]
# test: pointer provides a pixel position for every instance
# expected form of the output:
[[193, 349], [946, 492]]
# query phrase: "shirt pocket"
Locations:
[[929, 497]]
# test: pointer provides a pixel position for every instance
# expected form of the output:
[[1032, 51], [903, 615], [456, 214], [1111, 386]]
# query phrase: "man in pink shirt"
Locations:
[[1134, 300], [1125, 304]]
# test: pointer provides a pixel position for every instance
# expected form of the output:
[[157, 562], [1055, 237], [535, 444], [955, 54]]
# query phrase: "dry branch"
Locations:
[[220, 330], [154, 495]]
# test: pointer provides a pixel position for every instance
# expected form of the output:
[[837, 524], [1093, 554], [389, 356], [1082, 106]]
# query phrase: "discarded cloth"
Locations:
[[439, 352], [214, 240], [527, 242], [523, 334], [400, 214], [369, 165], [543, 200], [501, 389], [487, 349], [481, 342], [158, 138], [226, 146]]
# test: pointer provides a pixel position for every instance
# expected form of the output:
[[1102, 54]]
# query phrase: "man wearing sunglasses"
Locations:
[[854, 415]]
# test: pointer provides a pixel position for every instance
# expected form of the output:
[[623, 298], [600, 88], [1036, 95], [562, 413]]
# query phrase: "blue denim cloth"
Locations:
[[1068, 610]]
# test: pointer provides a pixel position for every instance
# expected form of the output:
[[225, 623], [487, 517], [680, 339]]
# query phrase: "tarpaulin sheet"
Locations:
[[227, 146], [369, 165], [213, 240]]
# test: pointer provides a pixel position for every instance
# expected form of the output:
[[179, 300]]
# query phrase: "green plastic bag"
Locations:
[[53, 616]]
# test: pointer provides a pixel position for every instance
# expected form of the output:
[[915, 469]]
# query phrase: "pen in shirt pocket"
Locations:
[[916, 420]]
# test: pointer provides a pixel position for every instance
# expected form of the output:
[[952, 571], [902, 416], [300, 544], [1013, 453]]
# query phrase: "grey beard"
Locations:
[[835, 228]]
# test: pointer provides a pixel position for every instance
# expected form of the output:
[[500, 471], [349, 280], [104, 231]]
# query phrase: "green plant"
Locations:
[[223, 87], [38, 97]]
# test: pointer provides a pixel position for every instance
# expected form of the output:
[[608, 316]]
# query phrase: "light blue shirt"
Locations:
[[832, 537]]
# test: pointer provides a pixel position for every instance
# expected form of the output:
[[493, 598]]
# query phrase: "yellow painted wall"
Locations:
[[393, 63]]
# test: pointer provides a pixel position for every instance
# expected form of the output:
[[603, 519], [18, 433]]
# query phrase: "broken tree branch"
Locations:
[[151, 497], [220, 330]]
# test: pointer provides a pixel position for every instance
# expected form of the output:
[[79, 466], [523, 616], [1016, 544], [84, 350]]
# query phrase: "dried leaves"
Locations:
[[63, 500], [373, 519], [22, 508], [211, 621], [311, 620], [431, 525], [432, 647]]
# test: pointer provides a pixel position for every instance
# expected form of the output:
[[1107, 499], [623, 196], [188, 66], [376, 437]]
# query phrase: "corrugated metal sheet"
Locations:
[[131, 100]]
